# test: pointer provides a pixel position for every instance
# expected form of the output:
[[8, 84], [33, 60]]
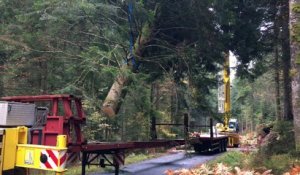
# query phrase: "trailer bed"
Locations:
[[106, 146]]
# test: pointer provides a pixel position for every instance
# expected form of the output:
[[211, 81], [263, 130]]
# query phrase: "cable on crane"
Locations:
[[131, 57]]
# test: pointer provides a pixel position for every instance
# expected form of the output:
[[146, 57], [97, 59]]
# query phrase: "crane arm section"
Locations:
[[226, 80]]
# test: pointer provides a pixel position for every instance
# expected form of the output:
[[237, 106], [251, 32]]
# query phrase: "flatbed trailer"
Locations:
[[206, 143], [101, 151]]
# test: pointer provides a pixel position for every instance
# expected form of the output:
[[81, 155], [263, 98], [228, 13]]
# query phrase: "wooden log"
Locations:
[[112, 103], [117, 92]]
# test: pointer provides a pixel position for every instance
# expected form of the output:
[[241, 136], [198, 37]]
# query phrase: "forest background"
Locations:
[[171, 53]]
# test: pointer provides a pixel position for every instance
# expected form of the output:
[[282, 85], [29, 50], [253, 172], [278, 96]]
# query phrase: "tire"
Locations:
[[220, 146], [197, 149], [225, 145], [236, 145]]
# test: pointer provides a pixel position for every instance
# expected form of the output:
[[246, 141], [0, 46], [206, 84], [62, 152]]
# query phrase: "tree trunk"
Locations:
[[286, 60], [277, 85], [1, 79], [112, 102], [277, 70], [153, 134], [43, 73], [295, 62]]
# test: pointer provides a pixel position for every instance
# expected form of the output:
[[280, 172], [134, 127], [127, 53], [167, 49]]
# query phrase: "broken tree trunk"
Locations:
[[117, 92]]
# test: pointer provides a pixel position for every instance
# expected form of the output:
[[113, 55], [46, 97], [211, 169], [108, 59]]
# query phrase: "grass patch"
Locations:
[[231, 158], [279, 163], [134, 158]]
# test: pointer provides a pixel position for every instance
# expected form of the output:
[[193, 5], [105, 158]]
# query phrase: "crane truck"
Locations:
[[230, 126]]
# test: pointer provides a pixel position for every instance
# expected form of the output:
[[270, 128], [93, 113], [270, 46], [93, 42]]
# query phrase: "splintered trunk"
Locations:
[[117, 92], [295, 71]]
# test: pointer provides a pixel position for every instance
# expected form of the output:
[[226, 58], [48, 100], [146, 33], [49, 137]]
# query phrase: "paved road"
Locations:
[[158, 166]]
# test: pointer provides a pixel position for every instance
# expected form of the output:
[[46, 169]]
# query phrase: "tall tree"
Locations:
[[295, 62], [277, 67], [286, 60]]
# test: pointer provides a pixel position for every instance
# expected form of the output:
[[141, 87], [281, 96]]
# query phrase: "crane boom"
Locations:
[[226, 79]]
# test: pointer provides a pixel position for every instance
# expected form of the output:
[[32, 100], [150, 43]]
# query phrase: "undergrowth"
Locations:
[[254, 161], [232, 159]]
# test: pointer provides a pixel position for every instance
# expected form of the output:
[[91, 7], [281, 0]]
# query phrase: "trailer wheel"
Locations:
[[225, 145], [222, 146], [197, 148]]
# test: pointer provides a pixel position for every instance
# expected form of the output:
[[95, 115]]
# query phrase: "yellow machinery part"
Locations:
[[233, 139], [28, 156], [17, 153], [11, 137], [226, 80]]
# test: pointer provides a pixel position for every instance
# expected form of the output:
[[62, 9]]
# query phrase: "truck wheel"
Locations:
[[197, 149], [222, 146], [225, 145]]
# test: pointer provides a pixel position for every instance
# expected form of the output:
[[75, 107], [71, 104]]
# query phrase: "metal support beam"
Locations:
[[211, 128], [153, 129], [83, 162], [186, 125]]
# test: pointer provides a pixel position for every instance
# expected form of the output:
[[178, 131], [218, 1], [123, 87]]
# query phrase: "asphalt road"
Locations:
[[158, 166]]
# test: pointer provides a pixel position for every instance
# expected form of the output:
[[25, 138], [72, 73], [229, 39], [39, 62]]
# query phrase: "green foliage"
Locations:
[[295, 32], [296, 8], [285, 132], [138, 157], [231, 159], [278, 163], [251, 103]]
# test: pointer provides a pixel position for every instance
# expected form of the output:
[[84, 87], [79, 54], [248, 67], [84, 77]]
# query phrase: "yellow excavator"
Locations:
[[230, 126]]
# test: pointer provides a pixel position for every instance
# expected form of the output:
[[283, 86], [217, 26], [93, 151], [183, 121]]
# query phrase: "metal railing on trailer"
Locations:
[[185, 125], [210, 142], [116, 151], [101, 151]]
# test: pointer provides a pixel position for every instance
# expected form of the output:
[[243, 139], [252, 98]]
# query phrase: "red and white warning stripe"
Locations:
[[63, 158], [55, 159]]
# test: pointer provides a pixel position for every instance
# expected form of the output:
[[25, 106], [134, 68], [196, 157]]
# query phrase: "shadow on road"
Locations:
[[159, 165]]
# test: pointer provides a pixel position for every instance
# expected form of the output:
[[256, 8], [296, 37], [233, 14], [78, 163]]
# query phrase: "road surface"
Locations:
[[157, 166]]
